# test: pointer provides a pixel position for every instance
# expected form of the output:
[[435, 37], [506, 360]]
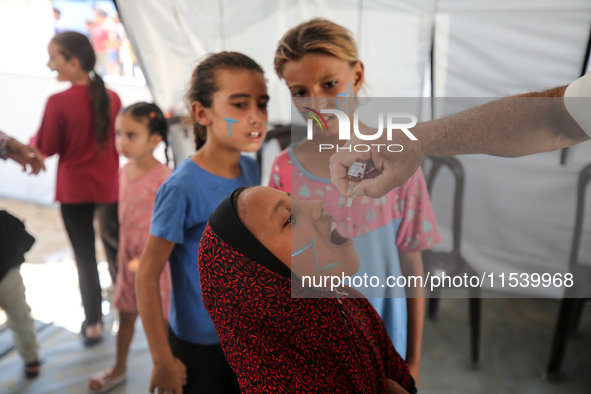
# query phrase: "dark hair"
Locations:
[[150, 112], [73, 44], [234, 197], [203, 82]]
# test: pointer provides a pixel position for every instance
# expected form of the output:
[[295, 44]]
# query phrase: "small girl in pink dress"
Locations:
[[140, 128]]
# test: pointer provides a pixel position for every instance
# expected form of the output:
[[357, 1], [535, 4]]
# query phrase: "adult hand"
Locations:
[[393, 168], [169, 377], [26, 154]]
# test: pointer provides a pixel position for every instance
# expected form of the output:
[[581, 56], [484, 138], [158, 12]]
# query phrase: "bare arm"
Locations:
[[412, 264], [512, 126], [169, 373]]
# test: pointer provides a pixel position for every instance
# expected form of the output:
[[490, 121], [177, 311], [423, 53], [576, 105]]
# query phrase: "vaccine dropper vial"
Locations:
[[355, 174]]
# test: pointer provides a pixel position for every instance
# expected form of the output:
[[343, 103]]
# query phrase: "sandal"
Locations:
[[91, 341], [32, 369], [105, 382]]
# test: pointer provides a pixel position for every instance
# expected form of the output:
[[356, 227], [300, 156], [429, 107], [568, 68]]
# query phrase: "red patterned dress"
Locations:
[[279, 344]]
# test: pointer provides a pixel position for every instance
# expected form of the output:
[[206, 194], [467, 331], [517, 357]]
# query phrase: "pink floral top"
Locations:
[[410, 204], [136, 203]]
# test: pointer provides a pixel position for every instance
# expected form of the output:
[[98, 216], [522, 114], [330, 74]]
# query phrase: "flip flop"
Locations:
[[32, 369], [90, 341], [106, 382]]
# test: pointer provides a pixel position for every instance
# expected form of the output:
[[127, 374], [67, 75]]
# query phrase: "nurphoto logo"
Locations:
[[393, 123]]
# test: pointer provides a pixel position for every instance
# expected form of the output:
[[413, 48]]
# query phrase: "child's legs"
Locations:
[[78, 220], [109, 232], [18, 312], [207, 368], [124, 337]]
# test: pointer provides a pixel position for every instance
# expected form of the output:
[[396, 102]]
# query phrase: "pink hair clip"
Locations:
[[152, 115]]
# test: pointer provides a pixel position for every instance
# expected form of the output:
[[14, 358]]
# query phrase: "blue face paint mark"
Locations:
[[312, 243], [346, 95], [230, 121], [330, 266]]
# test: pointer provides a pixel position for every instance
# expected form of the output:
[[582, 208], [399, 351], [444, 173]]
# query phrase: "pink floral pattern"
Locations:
[[409, 203], [136, 203]]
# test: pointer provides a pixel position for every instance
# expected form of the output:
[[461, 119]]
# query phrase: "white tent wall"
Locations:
[[394, 37], [26, 27], [490, 48], [518, 213]]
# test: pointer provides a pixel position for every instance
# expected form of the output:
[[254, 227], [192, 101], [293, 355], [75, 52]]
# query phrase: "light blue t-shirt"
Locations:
[[181, 211]]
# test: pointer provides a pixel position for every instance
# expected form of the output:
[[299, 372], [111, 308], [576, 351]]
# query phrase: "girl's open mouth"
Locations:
[[335, 237], [254, 134]]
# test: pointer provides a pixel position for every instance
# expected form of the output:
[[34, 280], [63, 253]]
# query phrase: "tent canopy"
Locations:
[[487, 48]]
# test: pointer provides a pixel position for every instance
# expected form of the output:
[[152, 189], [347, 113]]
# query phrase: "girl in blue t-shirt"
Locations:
[[228, 100]]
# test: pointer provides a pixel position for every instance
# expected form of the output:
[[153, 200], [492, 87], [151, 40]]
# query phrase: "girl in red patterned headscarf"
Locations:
[[284, 339]]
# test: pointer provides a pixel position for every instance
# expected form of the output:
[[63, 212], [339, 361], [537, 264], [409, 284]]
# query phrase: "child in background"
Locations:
[[15, 241], [78, 125], [318, 59], [139, 128], [228, 100]]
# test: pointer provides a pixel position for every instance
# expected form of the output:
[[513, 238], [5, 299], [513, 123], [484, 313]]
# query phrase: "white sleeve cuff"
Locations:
[[577, 107]]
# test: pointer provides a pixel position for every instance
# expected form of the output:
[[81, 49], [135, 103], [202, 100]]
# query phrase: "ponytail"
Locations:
[[101, 108]]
